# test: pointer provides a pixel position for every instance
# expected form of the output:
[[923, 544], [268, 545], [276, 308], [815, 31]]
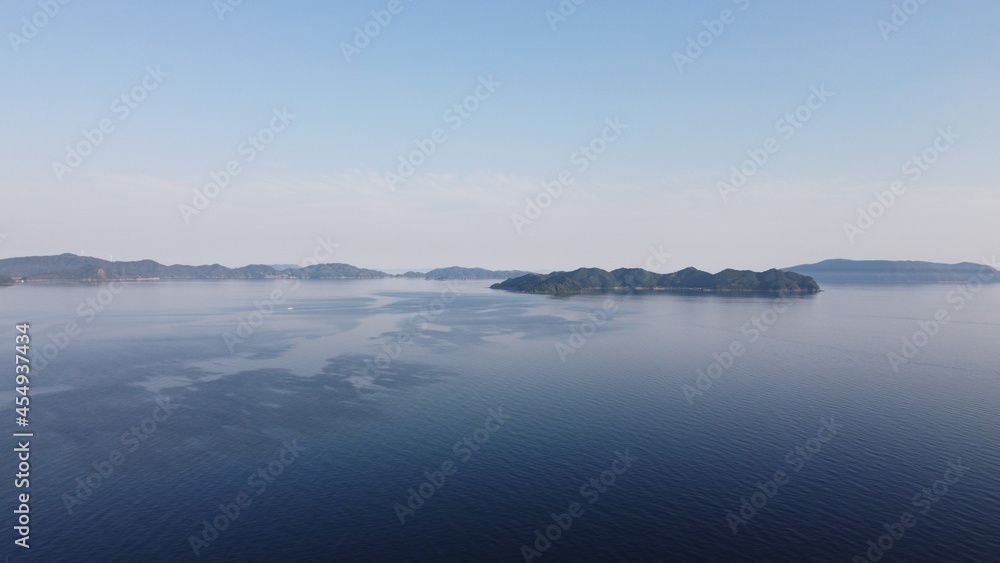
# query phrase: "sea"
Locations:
[[397, 420]]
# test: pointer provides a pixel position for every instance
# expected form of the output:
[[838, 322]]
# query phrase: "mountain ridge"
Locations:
[[688, 279], [460, 273], [842, 270], [71, 267]]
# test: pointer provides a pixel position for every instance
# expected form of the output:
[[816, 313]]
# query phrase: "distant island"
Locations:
[[73, 268], [893, 271], [458, 273], [70, 267], [688, 279]]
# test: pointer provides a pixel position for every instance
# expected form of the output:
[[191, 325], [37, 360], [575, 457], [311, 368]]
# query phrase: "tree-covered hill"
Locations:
[[596, 279]]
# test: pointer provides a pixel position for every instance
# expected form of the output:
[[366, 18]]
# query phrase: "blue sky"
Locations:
[[219, 80]]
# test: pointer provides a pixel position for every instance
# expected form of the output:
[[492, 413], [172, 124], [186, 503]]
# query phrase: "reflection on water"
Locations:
[[379, 379]]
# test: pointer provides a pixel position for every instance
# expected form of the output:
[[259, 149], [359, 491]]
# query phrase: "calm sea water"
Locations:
[[331, 407]]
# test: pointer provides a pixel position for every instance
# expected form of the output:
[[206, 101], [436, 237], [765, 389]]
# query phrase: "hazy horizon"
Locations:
[[410, 136], [652, 256]]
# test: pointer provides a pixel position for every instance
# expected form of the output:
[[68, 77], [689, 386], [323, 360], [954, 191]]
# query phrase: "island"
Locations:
[[896, 272], [6, 280], [688, 279], [87, 269], [459, 273]]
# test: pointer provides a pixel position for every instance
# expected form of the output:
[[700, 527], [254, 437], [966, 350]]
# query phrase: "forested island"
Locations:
[[459, 273], [688, 279]]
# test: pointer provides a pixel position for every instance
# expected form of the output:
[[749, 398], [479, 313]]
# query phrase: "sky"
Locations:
[[538, 135]]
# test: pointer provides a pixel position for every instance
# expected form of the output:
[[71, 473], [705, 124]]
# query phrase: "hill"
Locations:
[[459, 273], [691, 279], [893, 271], [335, 271], [70, 267]]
